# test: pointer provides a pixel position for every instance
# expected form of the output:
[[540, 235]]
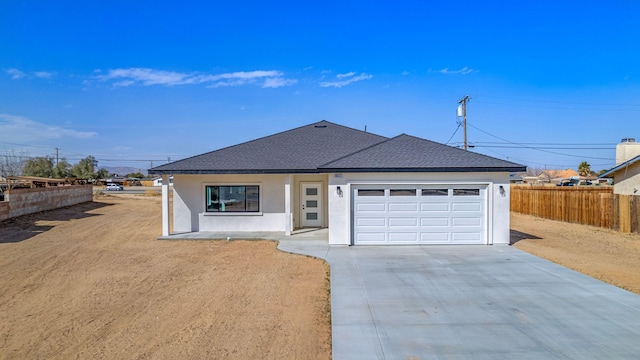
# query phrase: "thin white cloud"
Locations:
[[148, 77], [15, 74], [278, 82], [464, 71], [346, 75], [44, 74], [345, 79], [21, 129]]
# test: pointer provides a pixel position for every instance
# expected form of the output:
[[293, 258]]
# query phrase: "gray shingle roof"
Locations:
[[410, 153], [301, 149], [329, 147]]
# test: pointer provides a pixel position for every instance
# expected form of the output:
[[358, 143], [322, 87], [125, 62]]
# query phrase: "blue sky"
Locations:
[[552, 83]]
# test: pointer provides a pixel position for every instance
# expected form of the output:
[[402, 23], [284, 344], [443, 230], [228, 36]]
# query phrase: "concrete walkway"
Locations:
[[470, 302]]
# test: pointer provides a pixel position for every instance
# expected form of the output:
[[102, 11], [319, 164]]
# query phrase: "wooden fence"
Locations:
[[596, 206]]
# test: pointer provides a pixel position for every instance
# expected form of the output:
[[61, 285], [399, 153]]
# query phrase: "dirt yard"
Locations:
[[607, 255], [92, 282]]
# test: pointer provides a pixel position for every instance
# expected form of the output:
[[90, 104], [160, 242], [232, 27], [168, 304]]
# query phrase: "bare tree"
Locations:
[[534, 170], [11, 163]]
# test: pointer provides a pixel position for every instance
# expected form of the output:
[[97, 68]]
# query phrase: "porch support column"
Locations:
[[165, 205], [287, 205]]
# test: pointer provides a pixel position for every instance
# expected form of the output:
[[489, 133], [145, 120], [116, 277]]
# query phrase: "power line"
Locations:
[[542, 150]]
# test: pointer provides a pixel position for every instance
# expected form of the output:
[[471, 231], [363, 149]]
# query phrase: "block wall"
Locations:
[[28, 201]]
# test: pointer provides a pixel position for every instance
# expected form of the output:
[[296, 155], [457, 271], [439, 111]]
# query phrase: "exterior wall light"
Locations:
[[339, 191], [502, 192]]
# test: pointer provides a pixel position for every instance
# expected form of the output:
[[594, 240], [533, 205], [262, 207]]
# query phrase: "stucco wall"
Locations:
[[626, 180], [28, 201], [189, 206], [497, 202]]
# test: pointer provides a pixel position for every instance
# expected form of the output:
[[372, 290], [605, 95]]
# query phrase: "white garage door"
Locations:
[[419, 214]]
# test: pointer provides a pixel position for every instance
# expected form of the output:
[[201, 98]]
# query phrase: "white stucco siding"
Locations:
[[189, 204], [340, 207], [627, 180]]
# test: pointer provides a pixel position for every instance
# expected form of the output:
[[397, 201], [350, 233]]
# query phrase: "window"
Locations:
[[466, 192], [366, 192], [402, 192], [232, 198], [435, 192]]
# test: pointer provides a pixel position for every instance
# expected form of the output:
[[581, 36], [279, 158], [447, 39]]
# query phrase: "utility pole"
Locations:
[[463, 104], [57, 149]]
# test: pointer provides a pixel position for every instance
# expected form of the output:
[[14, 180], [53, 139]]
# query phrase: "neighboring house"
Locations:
[[557, 176], [626, 173], [366, 188]]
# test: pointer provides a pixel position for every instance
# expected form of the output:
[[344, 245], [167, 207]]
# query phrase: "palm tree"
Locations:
[[584, 169]]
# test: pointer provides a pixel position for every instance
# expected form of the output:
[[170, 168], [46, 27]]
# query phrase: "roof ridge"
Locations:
[[355, 152]]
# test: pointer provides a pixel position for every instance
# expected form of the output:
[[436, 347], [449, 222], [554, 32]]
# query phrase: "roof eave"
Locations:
[[230, 172], [431, 169], [620, 167]]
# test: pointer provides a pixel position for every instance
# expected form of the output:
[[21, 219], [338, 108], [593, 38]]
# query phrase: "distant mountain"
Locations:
[[123, 170]]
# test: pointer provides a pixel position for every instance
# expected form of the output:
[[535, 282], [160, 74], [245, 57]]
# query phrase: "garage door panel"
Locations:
[[403, 237], [370, 207], [371, 222], [434, 221], [398, 207], [467, 206], [406, 221], [434, 206], [466, 221], [434, 237], [466, 237], [371, 237]]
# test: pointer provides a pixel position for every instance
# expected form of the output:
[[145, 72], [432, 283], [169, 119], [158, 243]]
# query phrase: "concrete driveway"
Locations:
[[470, 302]]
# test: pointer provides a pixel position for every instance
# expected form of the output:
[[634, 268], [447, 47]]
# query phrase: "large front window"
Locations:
[[232, 198]]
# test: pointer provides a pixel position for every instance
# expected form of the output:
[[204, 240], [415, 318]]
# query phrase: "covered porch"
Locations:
[[290, 205]]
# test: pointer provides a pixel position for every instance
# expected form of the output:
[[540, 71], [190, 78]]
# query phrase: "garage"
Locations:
[[419, 214]]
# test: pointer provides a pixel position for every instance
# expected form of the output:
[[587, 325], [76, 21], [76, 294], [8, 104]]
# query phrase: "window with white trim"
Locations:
[[232, 198]]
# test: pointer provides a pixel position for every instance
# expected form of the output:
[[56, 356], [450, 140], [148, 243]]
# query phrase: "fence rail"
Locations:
[[596, 206]]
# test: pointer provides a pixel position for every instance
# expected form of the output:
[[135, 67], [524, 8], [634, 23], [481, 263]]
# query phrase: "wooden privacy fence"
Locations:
[[596, 206]]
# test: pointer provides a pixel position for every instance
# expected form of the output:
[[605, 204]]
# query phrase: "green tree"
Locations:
[[38, 166], [85, 168], [102, 173], [62, 169], [137, 175], [584, 169]]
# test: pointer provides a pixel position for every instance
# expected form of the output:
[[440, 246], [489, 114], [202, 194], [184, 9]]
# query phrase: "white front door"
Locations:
[[311, 206]]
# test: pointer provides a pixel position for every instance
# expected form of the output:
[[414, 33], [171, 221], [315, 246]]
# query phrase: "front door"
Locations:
[[311, 207]]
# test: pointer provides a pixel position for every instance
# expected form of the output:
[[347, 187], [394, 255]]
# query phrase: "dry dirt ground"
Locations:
[[607, 255], [91, 281]]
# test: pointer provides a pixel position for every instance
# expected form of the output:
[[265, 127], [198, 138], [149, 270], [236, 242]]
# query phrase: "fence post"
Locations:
[[625, 214]]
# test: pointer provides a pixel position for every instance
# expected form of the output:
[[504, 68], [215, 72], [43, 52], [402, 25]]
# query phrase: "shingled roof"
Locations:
[[328, 147], [409, 153]]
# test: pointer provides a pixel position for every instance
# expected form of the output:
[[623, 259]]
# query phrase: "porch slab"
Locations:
[[301, 234]]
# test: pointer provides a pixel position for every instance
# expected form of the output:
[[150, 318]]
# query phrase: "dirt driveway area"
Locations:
[[607, 255], [92, 282]]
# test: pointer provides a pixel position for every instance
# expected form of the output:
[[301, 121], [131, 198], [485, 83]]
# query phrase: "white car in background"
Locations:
[[114, 187]]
